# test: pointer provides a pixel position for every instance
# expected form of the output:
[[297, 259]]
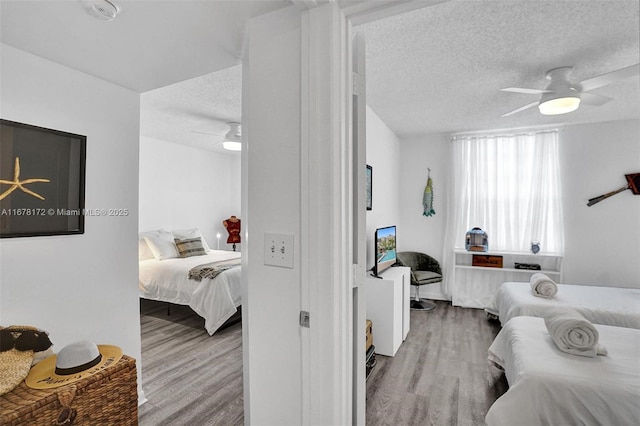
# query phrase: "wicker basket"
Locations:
[[109, 397]]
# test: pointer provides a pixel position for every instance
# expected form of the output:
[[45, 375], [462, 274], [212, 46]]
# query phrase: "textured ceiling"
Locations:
[[194, 112], [439, 69], [432, 70]]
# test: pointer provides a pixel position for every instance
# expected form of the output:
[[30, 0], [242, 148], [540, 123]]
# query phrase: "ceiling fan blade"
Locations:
[[593, 99], [610, 77], [527, 91], [520, 109]]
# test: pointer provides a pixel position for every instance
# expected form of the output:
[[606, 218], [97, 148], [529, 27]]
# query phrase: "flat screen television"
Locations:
[[385, 241]]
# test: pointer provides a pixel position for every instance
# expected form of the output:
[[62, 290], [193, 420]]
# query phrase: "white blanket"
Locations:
[[600, 305], [543, 286], [216, 300], [550, 387]]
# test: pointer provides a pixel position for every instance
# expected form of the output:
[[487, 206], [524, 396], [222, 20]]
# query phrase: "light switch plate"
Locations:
[[278, 250]]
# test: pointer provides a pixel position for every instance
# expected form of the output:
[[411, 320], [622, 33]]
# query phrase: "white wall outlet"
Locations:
[[278, 250]]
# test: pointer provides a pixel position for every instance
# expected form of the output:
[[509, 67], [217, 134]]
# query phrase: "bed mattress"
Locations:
[[615, 306], [550, 387], [216, 300]]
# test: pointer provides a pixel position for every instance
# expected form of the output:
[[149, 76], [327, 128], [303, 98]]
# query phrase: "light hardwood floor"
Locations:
[[439, 376], [189, 377]]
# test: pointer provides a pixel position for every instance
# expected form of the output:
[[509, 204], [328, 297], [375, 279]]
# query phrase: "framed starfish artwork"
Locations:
[[42, 176]]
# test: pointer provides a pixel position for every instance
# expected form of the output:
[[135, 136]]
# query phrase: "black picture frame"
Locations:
[[42, 181], [369, 187]]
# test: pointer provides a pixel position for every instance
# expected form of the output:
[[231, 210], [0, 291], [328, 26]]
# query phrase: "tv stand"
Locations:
[[388, 300]]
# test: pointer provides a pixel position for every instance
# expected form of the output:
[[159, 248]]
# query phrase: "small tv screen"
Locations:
[[385, 248]]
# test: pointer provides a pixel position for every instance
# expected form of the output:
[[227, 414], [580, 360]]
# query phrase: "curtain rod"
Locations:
[[508, 132]]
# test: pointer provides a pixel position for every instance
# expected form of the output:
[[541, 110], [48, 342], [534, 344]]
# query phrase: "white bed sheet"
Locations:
[[601, 305], [550, 387], [216, 300]]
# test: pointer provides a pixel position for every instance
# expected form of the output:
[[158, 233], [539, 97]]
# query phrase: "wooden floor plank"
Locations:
[[439, 376], [189, 377]]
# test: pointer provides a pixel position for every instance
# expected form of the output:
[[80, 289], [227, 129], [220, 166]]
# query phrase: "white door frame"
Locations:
[[326, 271], [331, 218]]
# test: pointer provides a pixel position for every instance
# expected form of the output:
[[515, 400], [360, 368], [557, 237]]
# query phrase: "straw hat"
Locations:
[[17, 347], [74, 362]]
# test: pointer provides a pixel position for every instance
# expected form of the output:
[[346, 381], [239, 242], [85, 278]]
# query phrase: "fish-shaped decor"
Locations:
[[427, 197]]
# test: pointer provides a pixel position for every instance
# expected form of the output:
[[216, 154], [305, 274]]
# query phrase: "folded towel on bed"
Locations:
[[572, 333], [543, 286]]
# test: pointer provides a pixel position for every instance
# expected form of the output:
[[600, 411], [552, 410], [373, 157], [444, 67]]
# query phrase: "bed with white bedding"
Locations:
[[615, 306], [550, 387], [216, 300]]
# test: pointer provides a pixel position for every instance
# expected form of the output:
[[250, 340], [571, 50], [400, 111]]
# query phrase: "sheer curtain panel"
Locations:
[[508, 185]]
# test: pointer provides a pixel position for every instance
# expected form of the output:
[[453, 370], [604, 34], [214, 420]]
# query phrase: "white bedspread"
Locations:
[[550, 387], [215, 300], [600, 305]]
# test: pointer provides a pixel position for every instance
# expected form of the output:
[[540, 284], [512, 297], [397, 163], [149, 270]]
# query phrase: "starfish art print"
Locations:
[[16, 183]]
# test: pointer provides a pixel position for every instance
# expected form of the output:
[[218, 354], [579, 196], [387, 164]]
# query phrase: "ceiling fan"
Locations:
[[562, 96], [232, 139]]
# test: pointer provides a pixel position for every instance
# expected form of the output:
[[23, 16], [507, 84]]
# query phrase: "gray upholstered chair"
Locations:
[[424, 270]]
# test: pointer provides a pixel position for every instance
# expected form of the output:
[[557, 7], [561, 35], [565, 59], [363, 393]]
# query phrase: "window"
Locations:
[[508, 185]]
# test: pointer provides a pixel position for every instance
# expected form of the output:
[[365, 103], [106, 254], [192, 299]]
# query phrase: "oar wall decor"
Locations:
[[633, 183]]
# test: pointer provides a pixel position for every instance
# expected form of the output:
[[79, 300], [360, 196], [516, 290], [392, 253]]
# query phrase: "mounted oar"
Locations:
[[633, 183]]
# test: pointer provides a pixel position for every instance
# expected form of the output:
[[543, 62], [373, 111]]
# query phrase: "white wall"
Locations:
[[81, 286], [418, 232], [297, 175], [383, 155], [602, 242], [183, 187], [271, 164], [417, 155]]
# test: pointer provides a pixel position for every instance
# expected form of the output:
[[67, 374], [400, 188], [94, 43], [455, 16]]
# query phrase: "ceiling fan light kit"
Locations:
[[232, 146], [233, 139], [561, 96], [551, 104]]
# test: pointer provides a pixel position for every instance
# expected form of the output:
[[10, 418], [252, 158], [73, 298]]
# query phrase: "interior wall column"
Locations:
[[295, 181]]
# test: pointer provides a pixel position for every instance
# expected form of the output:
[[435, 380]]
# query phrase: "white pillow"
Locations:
[[184, 234], [162, 245], [144, 252]]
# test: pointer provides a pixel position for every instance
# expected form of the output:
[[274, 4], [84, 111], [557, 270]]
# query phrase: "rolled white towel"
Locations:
[[543, 286], [573, 333]]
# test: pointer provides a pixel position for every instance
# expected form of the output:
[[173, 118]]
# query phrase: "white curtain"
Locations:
[[508, 185]]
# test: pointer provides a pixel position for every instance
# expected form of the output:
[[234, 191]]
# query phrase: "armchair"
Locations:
[[424, 270]]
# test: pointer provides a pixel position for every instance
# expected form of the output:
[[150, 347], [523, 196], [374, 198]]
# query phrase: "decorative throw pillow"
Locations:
[[144, 251], [184, 234], [190, 247], [162, 245]]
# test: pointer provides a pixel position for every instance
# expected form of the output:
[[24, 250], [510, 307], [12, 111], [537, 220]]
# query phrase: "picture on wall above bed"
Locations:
[[42, 175]]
